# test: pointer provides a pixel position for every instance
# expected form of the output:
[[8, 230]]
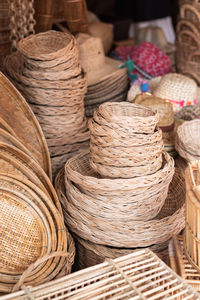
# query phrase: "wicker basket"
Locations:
[[140, 275], [191, 242], [171, 219], [187, 140], [46, 46], [21, 119], [128, 114], [181, 265]]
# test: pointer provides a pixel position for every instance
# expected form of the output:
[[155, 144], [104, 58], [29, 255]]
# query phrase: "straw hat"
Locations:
[[104, 31], [97, 66], [178, 89], [155, 35]]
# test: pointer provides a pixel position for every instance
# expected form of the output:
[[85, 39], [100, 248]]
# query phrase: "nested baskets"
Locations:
[[139, 275], [117, 132], [43, 248], [46, 70], [91, 222], [187, 140], [191, 241]]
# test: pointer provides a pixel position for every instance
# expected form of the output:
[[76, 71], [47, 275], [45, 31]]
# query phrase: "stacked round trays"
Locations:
[[35, 246], [123, 210], [48, 73]]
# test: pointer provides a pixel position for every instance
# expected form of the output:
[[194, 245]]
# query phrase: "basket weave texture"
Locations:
[[46, 70], [188, 34]]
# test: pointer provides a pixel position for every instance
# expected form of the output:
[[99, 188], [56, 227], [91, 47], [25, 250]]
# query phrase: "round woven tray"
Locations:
[[15, 111], [46, 45], [14, 161], [169, 221], [78, 170], [56, 240]]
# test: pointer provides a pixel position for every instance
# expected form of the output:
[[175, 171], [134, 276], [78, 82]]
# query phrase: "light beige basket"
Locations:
[[181, 265], [191, 242], [78, 170], [140, 233], [140, 275], [46, 45], [129, 115], [187, 140]]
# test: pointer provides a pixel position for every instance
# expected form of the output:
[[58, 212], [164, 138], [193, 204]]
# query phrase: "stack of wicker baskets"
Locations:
[[188, 37], [5, 43], [188, 140], [48, 73], [35, 246], [129, 207]]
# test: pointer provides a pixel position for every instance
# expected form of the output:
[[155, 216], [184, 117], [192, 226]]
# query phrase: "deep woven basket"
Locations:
[[169, 221]]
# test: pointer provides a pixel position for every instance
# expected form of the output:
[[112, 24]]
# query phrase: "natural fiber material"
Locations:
[[139, 275], [95, 64], [189, 113], [181, 265], [35, 220], [187, 140], [21, 20], [191, 241], [127, 114], [178, 89], [15, 111], [165, 109], [134, 233], [78, 170], [89, 254], [45, 46]]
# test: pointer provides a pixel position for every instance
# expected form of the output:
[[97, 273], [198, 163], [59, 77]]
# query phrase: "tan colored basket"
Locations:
[[46, 46], [21, 119], [89, 254], [181, 265], [21, 253], [171, 219], [139, 275], [187, 140], [78, 170], [128, 114], [191, 242], [14, 161]]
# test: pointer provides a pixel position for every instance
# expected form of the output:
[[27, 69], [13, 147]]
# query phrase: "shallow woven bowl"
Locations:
[[188, 138], [132, 115], [46, 45], [78, 170]]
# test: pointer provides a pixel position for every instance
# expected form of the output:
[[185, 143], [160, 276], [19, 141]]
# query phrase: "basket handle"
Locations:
[[190, 34], [193, 165], [189, 25], [39, 261], [191, 8]]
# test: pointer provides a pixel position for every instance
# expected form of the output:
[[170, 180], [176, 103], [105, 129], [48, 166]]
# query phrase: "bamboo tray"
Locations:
[[140, 275], [180, 264], [15, 111]]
